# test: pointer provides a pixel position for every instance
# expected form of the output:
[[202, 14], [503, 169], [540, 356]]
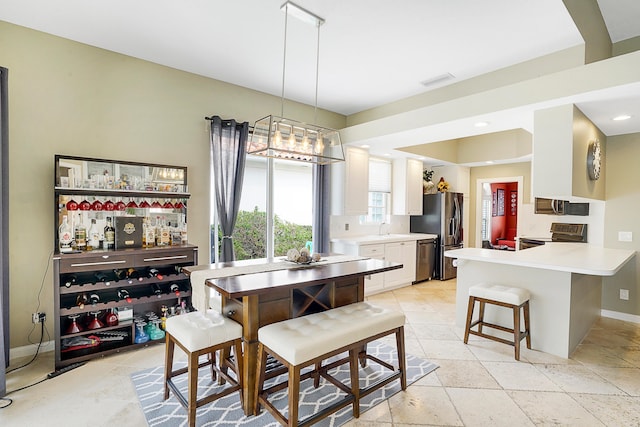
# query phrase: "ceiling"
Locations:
[[372, 52]]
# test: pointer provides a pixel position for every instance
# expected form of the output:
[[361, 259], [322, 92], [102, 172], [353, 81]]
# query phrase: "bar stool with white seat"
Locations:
[[199, 333], [504, 296]]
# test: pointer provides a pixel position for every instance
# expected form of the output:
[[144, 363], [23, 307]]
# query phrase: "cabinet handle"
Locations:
[[84, 264], [164, 258]]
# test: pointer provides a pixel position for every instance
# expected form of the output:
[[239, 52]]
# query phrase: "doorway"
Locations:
[[498, 202]]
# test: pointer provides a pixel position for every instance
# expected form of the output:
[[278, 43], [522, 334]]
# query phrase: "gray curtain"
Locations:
[[4, 231], [228, 147], [321, 209]]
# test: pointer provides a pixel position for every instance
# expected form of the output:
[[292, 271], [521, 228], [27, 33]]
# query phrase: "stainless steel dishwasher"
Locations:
[[425, 259]]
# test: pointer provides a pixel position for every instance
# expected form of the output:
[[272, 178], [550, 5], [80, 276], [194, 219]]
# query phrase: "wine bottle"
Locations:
[[80, 235], [119, 274], [94, 298], [102, 278], [123, 294], [109, 235], [133, 274], [175, 289], [65, 238], [81, 300], [178, 269], [154, 272], [156, 290], [70, 279]]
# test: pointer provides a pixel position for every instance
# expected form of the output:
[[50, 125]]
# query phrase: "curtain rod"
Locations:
[[211, 118]]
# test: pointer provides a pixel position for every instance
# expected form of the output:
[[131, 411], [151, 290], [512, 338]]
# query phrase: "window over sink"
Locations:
[[379, 200]]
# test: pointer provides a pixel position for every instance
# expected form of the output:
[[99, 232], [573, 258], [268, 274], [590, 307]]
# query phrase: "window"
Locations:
[[379, 192], [291, 210]]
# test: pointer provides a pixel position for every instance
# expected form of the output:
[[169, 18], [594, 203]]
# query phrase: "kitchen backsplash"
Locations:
[[398, 224]]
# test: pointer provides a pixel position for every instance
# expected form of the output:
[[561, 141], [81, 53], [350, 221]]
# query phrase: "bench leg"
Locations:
[[294, 395], [470, 307], [402, 361], [355, 381]]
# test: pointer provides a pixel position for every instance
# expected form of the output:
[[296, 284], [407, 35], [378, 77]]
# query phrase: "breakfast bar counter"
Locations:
[[564, 280]]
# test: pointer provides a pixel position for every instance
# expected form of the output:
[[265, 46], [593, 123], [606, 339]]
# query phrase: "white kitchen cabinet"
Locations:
[[373, 283], [407, 187], [404, 253], [350, 183]]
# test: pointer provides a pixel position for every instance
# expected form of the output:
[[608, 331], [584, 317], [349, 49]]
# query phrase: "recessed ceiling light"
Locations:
[[622, 117], [364, 146], [481, 124], [420, 158], [489, 162], [387, 154]]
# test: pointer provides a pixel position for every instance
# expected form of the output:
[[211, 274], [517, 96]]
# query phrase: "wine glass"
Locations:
[[72, 205], [95, 322]]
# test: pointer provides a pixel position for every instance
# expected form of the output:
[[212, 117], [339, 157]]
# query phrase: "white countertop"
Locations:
[[382, 238], [570, 257]]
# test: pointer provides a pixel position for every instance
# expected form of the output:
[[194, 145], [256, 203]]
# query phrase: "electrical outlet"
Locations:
[[625, 236], [624, 294], [346, 227], [38, 317]]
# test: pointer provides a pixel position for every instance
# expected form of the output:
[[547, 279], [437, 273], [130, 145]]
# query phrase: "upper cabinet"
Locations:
[[564, 157], [350, 183], [407, 187]]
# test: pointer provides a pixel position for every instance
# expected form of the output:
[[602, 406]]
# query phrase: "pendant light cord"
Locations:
[[315, 104], [284, 58]]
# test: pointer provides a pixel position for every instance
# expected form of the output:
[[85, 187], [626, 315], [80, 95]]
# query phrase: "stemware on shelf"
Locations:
[[132, 204], [109, 206], [95, 322], [72, 205], [120, 205], [73, 327], [84, 205], [97, 205]]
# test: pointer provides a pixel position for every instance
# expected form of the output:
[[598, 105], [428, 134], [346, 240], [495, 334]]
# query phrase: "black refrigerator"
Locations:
[[441, 215]]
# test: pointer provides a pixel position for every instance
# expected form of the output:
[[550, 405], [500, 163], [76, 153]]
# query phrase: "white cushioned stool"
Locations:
[[199, 333], [308, 340], [504, 296]]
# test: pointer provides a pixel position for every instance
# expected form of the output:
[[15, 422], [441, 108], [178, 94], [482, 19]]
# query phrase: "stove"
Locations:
[[562, 232]]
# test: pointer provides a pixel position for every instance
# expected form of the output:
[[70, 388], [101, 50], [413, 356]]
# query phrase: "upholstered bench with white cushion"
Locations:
[[308, 340], [198, 333], [504, 296]]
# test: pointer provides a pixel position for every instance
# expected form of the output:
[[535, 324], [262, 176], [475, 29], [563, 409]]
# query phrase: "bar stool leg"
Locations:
[[193, 388], [470, 307], [294, 394], [402, 363], [516, 331], [168, 363], [355, 381], [481, 318], [526, 324]]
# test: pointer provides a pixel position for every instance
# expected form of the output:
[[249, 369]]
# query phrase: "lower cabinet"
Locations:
[[110, 301], [400, 252]]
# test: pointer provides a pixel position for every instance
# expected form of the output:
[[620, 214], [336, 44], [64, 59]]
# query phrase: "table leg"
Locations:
[[250, 322]]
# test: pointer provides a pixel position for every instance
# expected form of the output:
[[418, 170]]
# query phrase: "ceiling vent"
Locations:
[[437, 79]]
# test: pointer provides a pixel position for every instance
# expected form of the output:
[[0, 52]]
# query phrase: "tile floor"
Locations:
[[479, 384]]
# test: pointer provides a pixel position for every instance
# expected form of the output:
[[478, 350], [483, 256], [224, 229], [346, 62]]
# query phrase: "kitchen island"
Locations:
[[564, 280]]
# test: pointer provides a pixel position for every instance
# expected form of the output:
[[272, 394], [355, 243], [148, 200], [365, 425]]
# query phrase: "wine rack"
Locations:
[[90, 287]]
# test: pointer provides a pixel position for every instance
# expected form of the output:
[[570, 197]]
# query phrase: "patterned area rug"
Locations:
[[227, 411]]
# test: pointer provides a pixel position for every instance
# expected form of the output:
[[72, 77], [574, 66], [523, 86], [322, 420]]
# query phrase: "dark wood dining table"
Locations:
[[258, 299]]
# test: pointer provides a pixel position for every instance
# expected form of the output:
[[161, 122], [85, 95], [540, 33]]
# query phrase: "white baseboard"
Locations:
[[30, 350], [620, 316]]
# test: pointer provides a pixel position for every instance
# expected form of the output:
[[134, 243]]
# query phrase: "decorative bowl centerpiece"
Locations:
[[301, 256]]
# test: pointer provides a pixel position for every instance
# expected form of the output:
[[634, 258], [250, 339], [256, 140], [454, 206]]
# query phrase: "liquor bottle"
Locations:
[[94, 236], [109, 235], [65, 238], [94, 298], [156, 290], [154, 272], [123, 294], [163, 237], [80, 235], [102, 278], [70, 279], [183, 229], [81, 300], [175, 289]]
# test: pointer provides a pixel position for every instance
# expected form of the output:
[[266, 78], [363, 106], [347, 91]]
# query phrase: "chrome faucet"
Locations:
[[380, 228]]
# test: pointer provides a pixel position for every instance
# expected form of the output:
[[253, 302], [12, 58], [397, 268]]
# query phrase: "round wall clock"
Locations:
[[594, 159]]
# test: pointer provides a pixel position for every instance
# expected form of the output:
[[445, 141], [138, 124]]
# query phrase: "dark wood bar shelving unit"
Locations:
[[77, 273]]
